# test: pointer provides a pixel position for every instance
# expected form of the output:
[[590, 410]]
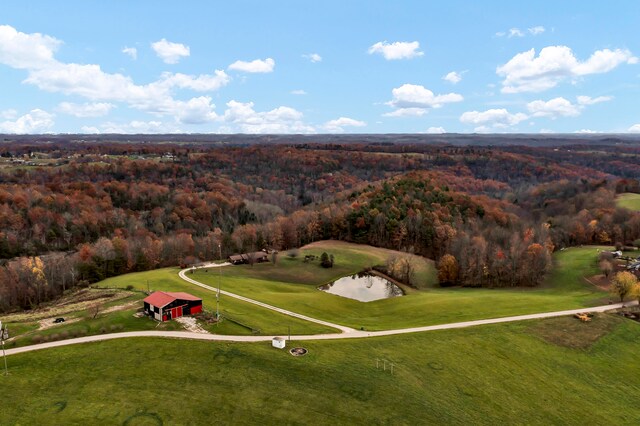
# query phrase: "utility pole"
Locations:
[[4, 333], [219, 281]]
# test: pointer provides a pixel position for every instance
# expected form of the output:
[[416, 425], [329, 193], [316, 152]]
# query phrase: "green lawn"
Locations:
[[81, 323], [629, 200], [498, 374], [250, 316], [291, 284]]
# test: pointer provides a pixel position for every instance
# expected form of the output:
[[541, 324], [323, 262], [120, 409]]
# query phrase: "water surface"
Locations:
[[364, 287]]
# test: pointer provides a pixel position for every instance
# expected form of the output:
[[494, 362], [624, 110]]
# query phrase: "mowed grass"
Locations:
[[498, 374], [81, 322], [292, 284], [251, 317], [349, 259], [629, 201]]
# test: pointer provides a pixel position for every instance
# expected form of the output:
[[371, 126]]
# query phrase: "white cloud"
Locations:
[[515, 32], [561, 107], [298, 92], [436, 130], [170, 52], [406, 112], [200, 83], [90, 130], [397, 50], [9, 114], [634, 129], [194, 111], [91, 82], [255, 66], [587, 131], [539, 29], [26, 51], [588, 100], [453, 77], [97, 109], [131, 51], [556, 107], [313, 57], [36, 121], [134, 127], [278, 120], [527, 73], [416, 100], [491, 119], [338, 125]]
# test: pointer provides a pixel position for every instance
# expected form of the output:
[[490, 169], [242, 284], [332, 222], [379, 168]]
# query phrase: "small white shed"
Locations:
[[279, 342]]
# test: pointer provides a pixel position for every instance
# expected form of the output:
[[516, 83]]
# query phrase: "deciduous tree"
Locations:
[[622, 284]]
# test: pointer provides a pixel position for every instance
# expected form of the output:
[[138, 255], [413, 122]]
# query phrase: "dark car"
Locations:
[[57, 320]]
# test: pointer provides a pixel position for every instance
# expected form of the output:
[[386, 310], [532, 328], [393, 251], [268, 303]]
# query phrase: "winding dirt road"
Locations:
[[346, 332], [354, 334], [183, 275]]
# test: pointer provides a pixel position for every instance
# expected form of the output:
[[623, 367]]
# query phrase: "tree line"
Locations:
[[489, 216]]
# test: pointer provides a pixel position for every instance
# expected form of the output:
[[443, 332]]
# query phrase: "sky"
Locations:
[[319, 67]]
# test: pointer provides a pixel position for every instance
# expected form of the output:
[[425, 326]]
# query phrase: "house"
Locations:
[[278, 342], [164, 305], [257, 257]]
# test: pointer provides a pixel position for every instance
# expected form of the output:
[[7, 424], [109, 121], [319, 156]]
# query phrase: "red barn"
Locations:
[[164, 305]]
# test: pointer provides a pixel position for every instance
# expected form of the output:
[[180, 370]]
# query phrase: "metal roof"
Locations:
[[163, 298]]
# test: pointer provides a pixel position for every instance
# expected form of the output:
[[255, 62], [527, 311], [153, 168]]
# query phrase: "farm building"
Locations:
[[164, 305], [257, 256]]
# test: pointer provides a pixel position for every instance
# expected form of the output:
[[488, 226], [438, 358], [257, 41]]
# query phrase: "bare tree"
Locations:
[[95, 309], [606, 267]]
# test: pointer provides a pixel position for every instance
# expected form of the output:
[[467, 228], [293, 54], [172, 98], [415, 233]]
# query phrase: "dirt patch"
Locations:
[[190, 324], [49, 322], [570, 332], [600, 281], [73, 302], [129, 305], [213, 265]]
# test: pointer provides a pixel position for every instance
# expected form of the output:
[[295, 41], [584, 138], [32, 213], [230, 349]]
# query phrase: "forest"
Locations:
[[76, 212]]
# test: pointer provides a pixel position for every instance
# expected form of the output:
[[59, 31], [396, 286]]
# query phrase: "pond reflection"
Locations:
[[364, 287]]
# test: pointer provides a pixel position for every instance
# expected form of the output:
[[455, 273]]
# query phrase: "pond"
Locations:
[[364, 287]]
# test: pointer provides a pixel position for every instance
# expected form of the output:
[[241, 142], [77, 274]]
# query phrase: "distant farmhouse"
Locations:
[[164, 305], [254, 257]]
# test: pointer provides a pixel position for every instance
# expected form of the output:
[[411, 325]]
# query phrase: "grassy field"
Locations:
[[629, 200], [79, 319], [291, 284], [520, 373], [244, 316]]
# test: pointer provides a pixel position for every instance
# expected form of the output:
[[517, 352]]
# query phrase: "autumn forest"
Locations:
[[75, 212]]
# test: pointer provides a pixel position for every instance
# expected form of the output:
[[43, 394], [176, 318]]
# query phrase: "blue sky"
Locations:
[[319, 67]]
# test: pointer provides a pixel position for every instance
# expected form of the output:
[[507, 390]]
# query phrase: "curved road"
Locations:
[[183, 275], [350, 335]]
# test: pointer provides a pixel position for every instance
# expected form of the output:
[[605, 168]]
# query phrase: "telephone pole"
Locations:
[[219, 281], [4, 334]]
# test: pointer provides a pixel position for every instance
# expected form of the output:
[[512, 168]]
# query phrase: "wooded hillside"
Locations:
[[73, 213]]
